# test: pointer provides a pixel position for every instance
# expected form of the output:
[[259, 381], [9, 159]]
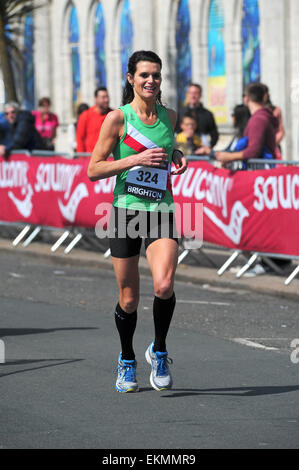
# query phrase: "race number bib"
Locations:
[[147, 182]]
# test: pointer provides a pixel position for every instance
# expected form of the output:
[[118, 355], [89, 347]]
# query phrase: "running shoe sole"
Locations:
[[128, 390]]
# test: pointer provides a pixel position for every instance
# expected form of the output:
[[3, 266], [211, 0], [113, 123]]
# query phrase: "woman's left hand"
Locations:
[[180, 161]]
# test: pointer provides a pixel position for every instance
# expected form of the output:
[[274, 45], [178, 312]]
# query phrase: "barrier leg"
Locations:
[[183, 255], [107, 253], [208, 258], [251, 260], [228, 262], [272, 265], [21, 235], [97, 244], [60, 240], [32, 236], [291, 276], [73, 243]]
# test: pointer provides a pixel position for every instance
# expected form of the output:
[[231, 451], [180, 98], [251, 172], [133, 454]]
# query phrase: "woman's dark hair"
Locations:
[[242, 115], [268, 103], [44, 101], [138, 56]]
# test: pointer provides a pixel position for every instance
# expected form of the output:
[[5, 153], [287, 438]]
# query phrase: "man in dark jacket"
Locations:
[[260, 130], [20, 133], [206, 126], [4, 129]]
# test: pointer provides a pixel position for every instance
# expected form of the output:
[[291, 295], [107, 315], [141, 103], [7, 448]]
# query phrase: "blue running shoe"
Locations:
[[160, 377], [126, 376]]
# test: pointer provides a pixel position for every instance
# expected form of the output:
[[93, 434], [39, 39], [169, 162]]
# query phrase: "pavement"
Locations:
[[195, 268]]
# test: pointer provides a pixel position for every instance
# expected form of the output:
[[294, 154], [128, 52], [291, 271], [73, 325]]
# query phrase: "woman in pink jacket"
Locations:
[[46, 122]]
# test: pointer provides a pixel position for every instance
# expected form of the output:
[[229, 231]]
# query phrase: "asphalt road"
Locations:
[[61, 349]]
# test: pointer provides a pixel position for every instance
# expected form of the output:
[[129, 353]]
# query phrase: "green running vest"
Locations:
[[136, 138]]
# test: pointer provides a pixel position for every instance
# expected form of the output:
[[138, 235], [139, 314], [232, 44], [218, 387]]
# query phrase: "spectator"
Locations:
[[240, 116], [278, 114], [20, 132], [4, 128], [206, 126], [72, 128], [90, 121], [188, 141], [260, 130], [46, 123], [260, 134]]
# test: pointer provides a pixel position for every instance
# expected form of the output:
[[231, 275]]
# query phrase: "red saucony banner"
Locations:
[[55, 191], [250, 210]]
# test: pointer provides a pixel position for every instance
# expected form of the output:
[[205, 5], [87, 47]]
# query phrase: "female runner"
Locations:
[[140, 136]]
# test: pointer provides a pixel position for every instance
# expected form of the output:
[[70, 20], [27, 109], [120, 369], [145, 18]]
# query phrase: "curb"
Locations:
[[266, 284]]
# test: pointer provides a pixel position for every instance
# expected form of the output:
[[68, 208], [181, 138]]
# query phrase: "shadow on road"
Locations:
[[234, 391], [31, 361]]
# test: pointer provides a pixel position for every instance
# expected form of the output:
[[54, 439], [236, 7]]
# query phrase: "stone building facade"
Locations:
[[201, 41]]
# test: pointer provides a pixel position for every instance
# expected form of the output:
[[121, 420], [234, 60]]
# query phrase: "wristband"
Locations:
[[177, 150]]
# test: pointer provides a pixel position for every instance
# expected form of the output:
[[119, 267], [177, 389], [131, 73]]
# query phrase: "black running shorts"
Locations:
[[127, 228]]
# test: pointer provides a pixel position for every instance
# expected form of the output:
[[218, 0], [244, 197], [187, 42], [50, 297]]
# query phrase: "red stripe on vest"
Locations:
[[134, 144]]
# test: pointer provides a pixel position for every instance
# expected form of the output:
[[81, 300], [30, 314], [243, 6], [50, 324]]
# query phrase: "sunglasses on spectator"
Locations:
[[13, 111]]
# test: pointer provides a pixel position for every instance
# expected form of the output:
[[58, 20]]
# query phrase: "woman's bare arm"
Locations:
[[111, 131]]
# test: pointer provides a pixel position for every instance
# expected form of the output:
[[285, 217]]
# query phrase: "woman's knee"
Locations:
[[129, 302], [164, 288]]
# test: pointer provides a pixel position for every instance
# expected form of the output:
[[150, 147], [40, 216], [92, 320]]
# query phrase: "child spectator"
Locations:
[[188, 141]]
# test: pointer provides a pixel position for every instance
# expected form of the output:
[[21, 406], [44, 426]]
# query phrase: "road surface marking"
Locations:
[[181, 301], [200, 302], [253, 344]]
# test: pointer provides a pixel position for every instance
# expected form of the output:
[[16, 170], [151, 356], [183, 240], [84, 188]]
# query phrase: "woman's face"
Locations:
[[45, 107], [188, 126], [147, 80]]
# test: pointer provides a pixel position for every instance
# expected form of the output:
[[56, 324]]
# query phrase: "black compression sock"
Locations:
[[126, 324], [163, 311]]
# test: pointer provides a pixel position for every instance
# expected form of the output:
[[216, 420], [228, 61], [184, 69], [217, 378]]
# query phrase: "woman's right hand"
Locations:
[[156, 157]]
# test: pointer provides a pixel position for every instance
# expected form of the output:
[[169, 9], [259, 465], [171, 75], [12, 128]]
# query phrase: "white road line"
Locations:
[[205, 302], [16, 275], [270, 339], [253, 344], [200, 302]]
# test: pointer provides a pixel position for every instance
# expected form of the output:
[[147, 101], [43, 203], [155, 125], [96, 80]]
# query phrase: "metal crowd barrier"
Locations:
[[252, 164], [186, 245], [259, 164], [29, 232], [49, 153], [252, 257]]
